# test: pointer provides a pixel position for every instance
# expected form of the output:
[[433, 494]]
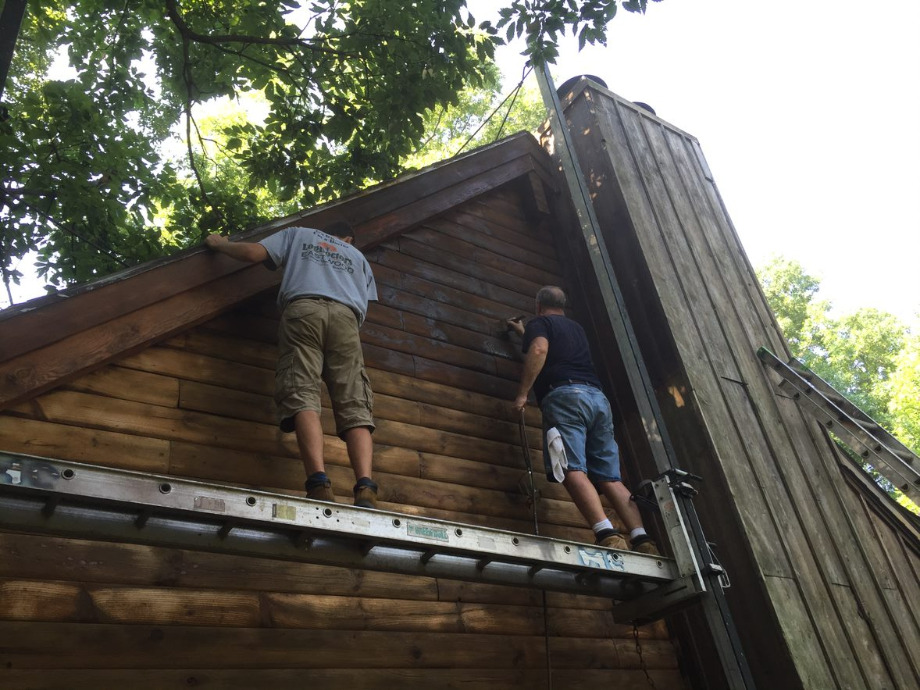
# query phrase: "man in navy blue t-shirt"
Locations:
[[578, 445]]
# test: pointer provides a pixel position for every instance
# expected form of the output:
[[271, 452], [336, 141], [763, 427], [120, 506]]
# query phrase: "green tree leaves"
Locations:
[[93, 180], [543, 22], [89, 180]]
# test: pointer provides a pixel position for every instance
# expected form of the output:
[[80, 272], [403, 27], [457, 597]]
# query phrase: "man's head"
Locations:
[[342, 230], [550, 299]]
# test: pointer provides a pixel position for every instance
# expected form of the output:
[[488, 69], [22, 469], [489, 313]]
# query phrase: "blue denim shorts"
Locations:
[[581, 414]]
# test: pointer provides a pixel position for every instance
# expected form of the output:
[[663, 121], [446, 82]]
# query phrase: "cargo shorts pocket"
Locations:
[[284, 377]]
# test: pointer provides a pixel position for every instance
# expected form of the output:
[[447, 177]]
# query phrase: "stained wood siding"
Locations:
[[85, 614], [824, 592]]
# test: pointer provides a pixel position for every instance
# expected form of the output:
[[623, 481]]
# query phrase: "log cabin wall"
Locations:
[[824, 574], [86, 614]]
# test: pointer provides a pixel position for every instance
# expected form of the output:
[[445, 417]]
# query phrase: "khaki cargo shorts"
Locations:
[[318, 341]]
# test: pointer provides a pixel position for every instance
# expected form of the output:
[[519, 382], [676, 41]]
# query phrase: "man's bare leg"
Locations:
[[360, 450], [309, 431], [626, 509], [585, 496]]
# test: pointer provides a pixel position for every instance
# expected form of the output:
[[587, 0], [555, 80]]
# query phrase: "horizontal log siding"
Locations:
[[806, 561], [199, 405]]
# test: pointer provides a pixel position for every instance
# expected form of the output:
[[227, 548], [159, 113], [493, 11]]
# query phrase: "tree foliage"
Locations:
[[869, 355], [351, 88], [347, 86], [480, 116]]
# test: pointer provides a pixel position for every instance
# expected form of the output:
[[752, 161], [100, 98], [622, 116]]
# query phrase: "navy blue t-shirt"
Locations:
[[568, 358]]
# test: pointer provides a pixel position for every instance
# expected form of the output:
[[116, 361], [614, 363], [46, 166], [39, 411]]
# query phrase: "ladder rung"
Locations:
[[838, 400], [906, 456]]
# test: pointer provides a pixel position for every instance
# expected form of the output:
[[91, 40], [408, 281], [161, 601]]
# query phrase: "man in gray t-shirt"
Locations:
[[323, 297]]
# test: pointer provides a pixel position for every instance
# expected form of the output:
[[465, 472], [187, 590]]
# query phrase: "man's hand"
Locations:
[[214, 240], [520, 402], [516, 324], [251, 252]]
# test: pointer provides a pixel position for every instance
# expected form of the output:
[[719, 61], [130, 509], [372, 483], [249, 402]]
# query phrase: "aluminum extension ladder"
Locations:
[[87, 501], [891, 458]]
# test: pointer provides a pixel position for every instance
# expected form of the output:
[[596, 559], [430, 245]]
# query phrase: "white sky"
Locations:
[[809, 117]]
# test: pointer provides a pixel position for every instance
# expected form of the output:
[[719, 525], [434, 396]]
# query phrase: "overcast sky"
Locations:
[[809, 116]]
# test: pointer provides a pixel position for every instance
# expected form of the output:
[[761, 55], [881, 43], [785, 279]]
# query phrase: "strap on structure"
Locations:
[[522, 428], [528, 463]]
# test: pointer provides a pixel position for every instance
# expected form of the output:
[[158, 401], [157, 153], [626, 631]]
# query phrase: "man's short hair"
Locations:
[[551, 296], [340, 228]]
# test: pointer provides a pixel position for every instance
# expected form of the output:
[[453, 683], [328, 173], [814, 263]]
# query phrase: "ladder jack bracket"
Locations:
[[669, 495]]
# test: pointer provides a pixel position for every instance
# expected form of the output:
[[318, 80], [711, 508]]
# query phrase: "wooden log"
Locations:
[[256, 326], [87, 562], [393, 382], [487, 475], [483, 221], [428, 348], [199, 367], [458, 278], [89, 646], [437, 249], [152, 421], [257, 469], [384, 227], [66, 442], [435, 292], [507, 214], [228, 347], [335, 679], [26, 600], [110, 563], [128, 384], [436, 234], [511, 251]]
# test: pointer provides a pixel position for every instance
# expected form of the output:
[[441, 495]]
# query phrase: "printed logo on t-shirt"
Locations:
[[328, 254]]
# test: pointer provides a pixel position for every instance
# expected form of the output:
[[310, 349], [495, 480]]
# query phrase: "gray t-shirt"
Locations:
[[317, 264]]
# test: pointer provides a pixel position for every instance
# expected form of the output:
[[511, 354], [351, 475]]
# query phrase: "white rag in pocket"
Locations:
[[557, 458]]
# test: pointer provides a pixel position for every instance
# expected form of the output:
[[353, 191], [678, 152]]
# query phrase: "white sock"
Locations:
[[638, 532], [602, 525]]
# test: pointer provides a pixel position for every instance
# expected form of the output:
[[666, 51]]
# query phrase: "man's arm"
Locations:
[[250, 252], [533, 365]]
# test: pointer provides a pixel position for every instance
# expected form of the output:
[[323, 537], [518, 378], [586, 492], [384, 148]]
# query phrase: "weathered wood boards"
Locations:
[[804, 557], [198, 404]]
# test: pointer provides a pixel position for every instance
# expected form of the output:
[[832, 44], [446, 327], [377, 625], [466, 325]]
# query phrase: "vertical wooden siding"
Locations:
[[819, 599], [79, 613]]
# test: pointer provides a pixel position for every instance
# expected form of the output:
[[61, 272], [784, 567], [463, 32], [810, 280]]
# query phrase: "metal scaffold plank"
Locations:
[[79, 500]]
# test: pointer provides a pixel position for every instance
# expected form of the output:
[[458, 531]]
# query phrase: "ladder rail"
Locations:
[[79, 500], [900, 470], [867, 423]]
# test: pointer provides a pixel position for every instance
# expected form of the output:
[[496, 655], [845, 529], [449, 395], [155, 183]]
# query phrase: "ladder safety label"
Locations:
[[426, 531], [594, 558], [212, 505], [283, 512]]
